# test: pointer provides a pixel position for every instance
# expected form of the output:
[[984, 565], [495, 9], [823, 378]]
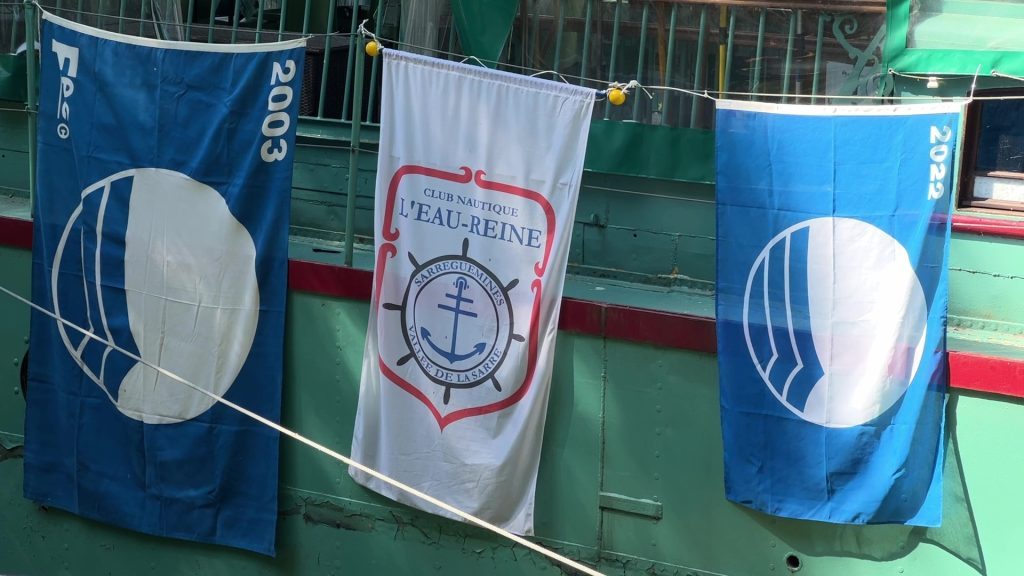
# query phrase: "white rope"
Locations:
[[629, 86], [708, 94], [998, 74], [974, 82], [366, 33], [319, 447], [931, 75], [552, 72]]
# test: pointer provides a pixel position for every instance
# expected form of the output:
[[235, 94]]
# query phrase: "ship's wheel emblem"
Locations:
[[457, 321]]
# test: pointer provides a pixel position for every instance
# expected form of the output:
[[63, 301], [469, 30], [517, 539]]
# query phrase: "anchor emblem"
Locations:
[[457, 311], [480, 310]]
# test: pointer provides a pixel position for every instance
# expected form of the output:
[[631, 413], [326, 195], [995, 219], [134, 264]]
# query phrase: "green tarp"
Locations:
[[632, 149], [484, 26]]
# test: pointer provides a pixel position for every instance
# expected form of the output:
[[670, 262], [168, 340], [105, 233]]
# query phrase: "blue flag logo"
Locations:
[[833, 228], [795, 279], [162, 232]]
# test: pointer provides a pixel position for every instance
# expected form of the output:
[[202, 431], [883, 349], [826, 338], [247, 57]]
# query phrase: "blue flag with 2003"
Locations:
[[161, 232], [833, 234]]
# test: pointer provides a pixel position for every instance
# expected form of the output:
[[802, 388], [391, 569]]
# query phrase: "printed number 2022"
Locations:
[[277, 122], [939, 153]]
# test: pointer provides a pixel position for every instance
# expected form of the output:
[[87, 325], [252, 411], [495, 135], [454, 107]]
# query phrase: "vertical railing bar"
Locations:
[[353, 26], [668, 62], [534, 33], [524, 36], [259, 19], [451, 40], [640, 57], [213, 19], [798, 80], [78, 13], [327, 61], [817, 58], [698, 72], [457, 41], [30, 104], [280, 19], [59, 7], [729, 43], [788, 66], [305, 18], [504, 55], [234, 20], [120, 16], [616, 24], [723, 22], [354, 142], [759, 53], [586, 40], [750, 78], [558, 37], [188, 20], [375, 67]]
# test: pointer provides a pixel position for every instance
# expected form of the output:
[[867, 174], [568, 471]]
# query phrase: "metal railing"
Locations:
[[782, 51], [790, 49], [800, 50]]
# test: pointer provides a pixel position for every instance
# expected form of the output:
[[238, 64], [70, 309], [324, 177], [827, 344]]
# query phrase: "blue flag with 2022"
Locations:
[[833, 235], [161, 231]]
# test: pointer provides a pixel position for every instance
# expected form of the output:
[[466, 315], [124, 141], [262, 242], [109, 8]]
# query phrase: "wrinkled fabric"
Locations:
[[161, 228], [476, 191], [833, 236]]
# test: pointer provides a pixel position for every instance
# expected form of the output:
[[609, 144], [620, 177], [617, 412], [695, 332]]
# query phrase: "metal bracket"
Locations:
[[638, 506]]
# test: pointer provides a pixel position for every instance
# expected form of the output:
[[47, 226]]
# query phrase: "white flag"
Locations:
[[477, 180]]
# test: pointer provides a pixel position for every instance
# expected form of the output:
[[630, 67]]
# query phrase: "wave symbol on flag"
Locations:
[[835, 320], [155, 262]]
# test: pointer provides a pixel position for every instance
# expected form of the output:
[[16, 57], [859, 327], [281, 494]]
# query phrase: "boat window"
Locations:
[[993, 164]]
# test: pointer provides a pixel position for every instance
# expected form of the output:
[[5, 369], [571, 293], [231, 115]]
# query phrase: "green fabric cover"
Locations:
[[484, 26], [645, 150]]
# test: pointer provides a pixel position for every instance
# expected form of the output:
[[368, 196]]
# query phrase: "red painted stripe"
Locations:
[[666, 329], [986, 374], [988, 226], [581, 316], [330, 280], [967, 371], [15, 233]]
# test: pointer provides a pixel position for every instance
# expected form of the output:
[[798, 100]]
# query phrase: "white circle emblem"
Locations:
[[189, 287], [865, 315]]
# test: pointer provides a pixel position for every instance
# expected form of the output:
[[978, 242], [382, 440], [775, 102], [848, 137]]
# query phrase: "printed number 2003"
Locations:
[[277, 122]]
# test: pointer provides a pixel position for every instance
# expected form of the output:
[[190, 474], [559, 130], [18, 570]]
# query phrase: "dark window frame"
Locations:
[[969, 159]]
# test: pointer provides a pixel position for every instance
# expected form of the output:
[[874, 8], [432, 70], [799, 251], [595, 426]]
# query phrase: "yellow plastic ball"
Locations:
[[616, 97], [372, 48]]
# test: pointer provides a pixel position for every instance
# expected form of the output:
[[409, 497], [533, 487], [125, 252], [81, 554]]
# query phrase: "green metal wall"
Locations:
[[624, 419]]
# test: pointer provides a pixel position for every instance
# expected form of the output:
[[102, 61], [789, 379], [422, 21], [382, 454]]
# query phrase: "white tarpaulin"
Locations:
[[477, 180]]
